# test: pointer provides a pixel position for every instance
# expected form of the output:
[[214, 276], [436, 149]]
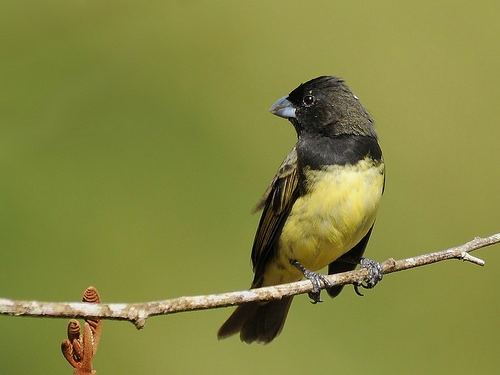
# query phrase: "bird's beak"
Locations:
[[283, 108]]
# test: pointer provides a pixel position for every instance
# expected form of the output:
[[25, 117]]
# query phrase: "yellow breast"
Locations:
[[330, 219]]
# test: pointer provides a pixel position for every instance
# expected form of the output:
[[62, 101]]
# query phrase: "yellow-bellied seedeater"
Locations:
[[320, 207]]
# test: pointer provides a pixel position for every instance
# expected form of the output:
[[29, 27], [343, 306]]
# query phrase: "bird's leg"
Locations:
[[315, 278], [375, 274]]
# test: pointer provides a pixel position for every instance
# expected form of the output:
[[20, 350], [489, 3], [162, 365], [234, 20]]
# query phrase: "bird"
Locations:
[[320, 207]]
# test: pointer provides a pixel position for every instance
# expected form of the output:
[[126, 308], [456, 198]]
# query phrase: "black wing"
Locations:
[[277, 203]]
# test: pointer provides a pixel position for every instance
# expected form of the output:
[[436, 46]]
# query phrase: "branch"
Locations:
[[137, 313]]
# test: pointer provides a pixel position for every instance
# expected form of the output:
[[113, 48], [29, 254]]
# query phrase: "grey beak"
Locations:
[[283, 108]]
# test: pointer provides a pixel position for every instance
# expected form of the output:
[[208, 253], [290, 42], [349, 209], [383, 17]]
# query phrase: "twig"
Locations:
[[137, 313], [80, 347]]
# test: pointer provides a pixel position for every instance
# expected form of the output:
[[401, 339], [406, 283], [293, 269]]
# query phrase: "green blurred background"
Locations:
[[135, 140]]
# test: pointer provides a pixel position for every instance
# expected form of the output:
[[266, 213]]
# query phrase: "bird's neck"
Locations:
[[317, 151]]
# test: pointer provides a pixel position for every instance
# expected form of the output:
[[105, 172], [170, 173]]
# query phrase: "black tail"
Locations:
[[257, 321]]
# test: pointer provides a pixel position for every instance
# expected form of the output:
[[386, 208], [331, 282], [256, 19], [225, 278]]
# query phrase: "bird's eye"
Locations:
[[308, 100]]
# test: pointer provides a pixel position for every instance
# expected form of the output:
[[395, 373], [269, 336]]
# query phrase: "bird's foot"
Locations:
[[318, 281], [375, 274]]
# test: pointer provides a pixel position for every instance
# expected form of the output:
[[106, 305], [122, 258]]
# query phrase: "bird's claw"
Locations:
[[375, 274], [317, 280]]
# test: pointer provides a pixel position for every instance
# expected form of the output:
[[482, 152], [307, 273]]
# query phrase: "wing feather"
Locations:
[[276, 204]]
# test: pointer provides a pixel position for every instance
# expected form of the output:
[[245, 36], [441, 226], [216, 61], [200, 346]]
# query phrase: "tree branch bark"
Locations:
[[137, 313]]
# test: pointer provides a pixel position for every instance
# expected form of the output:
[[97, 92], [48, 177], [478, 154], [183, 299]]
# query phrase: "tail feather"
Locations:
[[237, 319], [256, 321]]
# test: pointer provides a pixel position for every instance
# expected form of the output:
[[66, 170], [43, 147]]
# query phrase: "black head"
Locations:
[[326, 106]]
